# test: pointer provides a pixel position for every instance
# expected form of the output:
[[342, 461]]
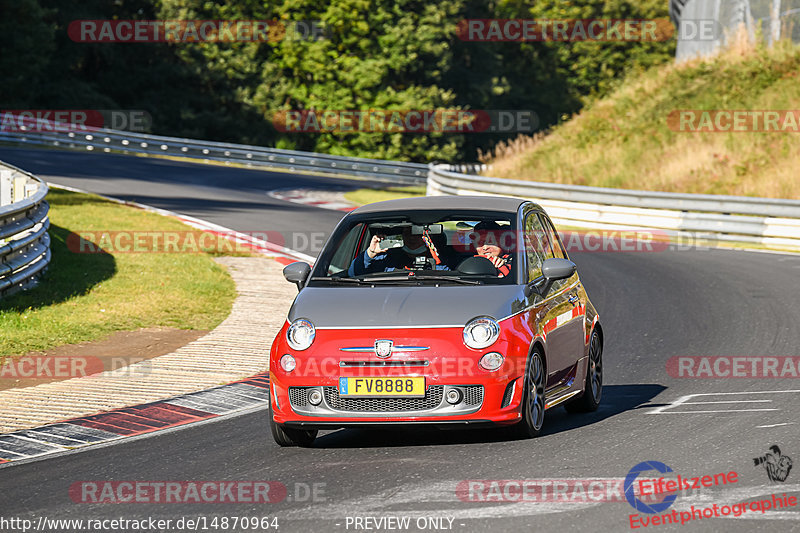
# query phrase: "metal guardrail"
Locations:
[[771, 222], [766, 221], [107, 140], [24, 242]]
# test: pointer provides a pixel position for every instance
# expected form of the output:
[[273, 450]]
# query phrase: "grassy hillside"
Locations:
[[625, 140]]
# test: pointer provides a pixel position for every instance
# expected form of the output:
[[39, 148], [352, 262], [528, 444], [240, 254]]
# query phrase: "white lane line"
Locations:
[[46, 434], [716, 411], [728, 401], [37, 441], [676, 403], [776, 425], [663, 409], [420, 500]]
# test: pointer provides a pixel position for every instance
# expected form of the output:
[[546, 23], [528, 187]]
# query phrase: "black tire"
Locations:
[[286, 436], [593, 387], [532, 399]]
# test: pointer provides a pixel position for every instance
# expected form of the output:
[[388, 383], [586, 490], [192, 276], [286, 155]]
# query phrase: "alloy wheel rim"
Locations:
[[536, 396], [596, 364]]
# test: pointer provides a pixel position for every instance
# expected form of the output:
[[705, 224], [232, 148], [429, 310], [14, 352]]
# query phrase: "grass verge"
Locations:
[[368, 196], [86, 296], [627, 140]]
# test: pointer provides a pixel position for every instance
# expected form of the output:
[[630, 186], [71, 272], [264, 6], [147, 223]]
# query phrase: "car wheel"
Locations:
[[286, 436], [532, 399], [593, 388]]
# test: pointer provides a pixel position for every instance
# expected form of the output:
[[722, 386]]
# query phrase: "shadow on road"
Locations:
[[617, 399]]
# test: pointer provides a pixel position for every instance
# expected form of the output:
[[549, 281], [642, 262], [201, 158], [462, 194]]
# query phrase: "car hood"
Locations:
[[379, 307]]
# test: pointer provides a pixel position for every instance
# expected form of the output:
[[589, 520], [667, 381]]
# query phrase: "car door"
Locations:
[[570, 320], [547, 309]]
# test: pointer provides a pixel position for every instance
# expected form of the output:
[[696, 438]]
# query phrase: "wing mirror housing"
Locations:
[[297, 273], [553, 269]]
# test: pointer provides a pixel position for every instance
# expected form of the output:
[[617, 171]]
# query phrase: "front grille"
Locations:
[[473, 394], [298, 396], [433, 397]]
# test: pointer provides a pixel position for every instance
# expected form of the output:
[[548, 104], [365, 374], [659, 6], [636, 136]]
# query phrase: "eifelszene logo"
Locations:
[[630, 485], [776, 464]]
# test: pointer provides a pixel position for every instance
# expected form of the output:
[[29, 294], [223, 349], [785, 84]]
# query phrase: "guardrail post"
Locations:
[[18, 188], [30, 189], [5, 187]]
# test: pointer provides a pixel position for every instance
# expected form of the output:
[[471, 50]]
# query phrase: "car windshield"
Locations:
[[420, 248]]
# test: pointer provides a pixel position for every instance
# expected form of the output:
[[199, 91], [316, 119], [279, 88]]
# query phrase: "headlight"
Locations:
[[491, 361], [300, 334], [481, 333]]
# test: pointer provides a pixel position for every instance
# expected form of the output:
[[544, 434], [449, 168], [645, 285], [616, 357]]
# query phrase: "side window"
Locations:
[[345, 250], [536, 246], [552, 237], [558, 250]]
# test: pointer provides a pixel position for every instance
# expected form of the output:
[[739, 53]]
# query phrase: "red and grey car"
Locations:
[[435, 311]]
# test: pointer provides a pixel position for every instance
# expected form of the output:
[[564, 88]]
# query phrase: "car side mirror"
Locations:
[[297, 273], [553, 269]]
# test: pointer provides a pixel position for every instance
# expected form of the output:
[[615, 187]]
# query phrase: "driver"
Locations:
[[487, 244], [377, 259]]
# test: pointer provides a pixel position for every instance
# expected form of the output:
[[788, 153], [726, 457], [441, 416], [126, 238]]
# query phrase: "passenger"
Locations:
[[377, 259], [487, 244]]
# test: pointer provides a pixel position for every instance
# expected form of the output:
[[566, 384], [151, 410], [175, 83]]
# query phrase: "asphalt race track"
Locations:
[[653, 306]]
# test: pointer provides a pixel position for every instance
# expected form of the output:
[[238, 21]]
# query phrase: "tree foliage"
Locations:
[[376, 54]]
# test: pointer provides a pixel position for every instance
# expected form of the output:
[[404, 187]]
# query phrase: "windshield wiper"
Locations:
[[381, 277], [394, 277], [454, 279], [340, 280]]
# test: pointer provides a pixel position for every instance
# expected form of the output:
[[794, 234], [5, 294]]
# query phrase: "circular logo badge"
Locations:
[[630, 482]]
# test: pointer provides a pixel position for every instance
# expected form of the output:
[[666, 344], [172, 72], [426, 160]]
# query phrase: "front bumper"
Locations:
[[491, 398], [434, 403], [493, 403]]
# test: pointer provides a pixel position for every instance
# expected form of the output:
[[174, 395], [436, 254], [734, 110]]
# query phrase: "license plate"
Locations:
[[397, 387]]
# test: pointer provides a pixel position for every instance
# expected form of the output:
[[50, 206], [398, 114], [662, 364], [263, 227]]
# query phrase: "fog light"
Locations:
[[288, 363], [453, 396], [315, 397], [491, 361]]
